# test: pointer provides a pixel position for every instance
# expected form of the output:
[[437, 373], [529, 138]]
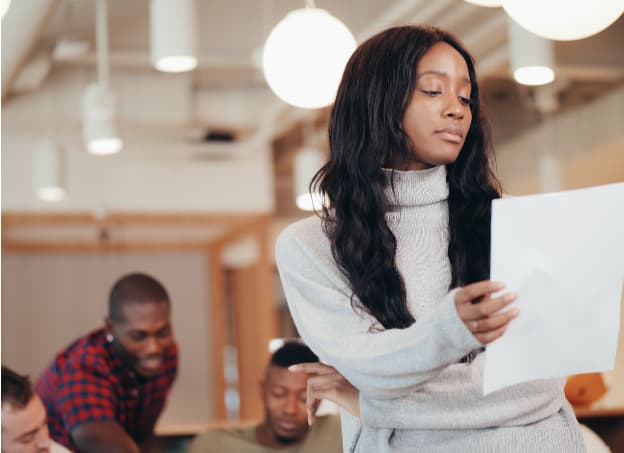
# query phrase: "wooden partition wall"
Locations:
[[255, 319], [254, 329]]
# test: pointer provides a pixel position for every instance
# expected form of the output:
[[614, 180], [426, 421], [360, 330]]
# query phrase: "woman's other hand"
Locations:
[[324, 382], [479, 310]]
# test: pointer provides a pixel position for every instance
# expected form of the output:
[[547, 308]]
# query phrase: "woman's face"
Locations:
[[438, 116]]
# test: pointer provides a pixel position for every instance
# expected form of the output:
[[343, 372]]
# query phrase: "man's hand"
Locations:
[[324, 382], [103, 437], [478, 309]]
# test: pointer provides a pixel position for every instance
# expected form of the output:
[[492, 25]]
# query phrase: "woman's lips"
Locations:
[[451, 135]]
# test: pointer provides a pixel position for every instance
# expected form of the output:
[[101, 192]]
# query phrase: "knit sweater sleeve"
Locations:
[[387, 364]]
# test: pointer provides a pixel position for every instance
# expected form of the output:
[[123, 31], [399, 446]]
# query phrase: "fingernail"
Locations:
[[511, 297], [309, 421], [499, 285], [515, 312], [293, 368]]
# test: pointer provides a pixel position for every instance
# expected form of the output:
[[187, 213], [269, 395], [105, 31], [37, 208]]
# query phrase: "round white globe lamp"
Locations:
[[304, 57], [564, 20]]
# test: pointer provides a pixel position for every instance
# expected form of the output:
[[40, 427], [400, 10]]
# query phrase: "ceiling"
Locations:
[[226, 106]]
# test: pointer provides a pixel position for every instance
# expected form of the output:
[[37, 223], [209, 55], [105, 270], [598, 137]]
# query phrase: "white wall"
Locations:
[[156, 170], [587, 144]]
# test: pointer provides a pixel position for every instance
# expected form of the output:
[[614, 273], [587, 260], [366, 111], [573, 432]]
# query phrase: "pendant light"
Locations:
[[173, 40], [5, 6], [532, 57], [307, 162], [305, 55], [49, 172], [564, 20], [99, 102]]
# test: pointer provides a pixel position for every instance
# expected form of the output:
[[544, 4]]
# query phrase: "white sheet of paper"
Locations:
[[563, 253]]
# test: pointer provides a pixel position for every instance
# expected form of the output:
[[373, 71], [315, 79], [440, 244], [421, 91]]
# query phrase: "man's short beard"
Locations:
[[285, 440]]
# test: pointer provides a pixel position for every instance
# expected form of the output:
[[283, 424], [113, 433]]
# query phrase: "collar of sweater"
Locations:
[[416, 187]]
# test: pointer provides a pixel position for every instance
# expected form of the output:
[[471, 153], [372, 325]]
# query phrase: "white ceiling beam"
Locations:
[[479, 39], [140, 59], [455, 15], [430, 12], [494, 63], [396, 14], [22, 28]]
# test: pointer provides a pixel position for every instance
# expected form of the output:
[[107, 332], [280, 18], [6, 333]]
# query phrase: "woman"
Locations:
[[408, 190]]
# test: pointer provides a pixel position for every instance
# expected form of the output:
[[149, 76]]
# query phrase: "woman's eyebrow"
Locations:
[[441, 73]]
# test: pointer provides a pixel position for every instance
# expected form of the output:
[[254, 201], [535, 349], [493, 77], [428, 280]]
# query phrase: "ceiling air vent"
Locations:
[[215, 136], [213, 144]]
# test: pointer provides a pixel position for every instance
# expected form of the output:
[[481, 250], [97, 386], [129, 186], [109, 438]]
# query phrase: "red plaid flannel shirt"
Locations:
[[87, 382]]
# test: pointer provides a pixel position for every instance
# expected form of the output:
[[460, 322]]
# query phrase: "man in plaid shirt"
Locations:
[[105, 391]]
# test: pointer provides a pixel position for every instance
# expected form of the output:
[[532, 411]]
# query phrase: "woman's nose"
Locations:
[[454, 109]]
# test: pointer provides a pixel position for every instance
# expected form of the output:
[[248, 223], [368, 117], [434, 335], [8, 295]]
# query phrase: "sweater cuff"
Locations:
[[453, 327]]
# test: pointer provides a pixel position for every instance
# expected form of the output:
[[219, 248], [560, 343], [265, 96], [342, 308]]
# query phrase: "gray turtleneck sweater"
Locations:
[[415, 394]]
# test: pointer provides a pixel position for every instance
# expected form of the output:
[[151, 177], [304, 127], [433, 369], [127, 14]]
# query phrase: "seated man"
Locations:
[[105, 391], [285, 427], [24, 422]]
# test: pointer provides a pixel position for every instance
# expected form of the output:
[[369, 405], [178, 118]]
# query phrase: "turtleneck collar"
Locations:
[[417, 187]]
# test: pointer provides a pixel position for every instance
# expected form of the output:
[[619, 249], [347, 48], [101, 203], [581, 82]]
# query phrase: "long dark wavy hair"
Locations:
[[365, 135]]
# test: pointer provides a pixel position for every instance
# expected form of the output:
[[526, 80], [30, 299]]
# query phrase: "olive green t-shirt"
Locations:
[[323, 436]]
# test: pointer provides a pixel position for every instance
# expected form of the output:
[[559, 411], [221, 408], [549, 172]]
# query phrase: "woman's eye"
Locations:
[[465, 101], [431, 92]]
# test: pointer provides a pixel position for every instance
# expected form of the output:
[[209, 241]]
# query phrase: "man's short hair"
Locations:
[[292, 353], [16, 389], [134, 288]]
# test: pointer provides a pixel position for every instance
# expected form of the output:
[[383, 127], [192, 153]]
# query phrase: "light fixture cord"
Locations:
[[309, 4], [101, 41]]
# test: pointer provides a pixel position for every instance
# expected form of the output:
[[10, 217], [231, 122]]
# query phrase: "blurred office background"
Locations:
[[202, 166]]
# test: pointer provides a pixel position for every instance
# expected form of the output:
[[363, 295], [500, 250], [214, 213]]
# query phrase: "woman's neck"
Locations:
[[416, 187]]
